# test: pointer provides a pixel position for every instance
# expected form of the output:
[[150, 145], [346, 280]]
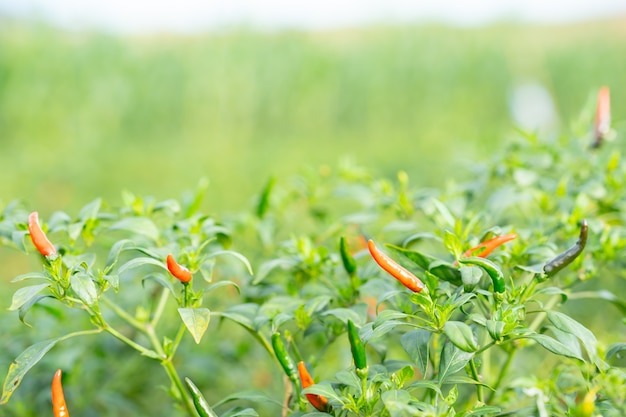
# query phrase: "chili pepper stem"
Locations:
[[165, 293]]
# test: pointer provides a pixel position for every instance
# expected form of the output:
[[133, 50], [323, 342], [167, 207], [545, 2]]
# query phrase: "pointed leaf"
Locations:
[[461, 335], [138, 225], [25, 294], [417, 344], [196, 320], [30, 275], [139, 262], [453, 360], [587, 338], [85, 288], [237, 255], [553, 345], [22, 364]]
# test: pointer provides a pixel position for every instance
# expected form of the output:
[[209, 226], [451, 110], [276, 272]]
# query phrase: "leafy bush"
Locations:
[[508, 271]]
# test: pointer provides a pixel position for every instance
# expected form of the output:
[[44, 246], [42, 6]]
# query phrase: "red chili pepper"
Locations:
[[318, 401], [180, 272], [39, 238], [58, 398], [398, 272], [485, 248], [602, 122]]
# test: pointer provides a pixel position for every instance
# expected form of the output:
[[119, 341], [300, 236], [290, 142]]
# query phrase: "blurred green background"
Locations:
[[89, 114]]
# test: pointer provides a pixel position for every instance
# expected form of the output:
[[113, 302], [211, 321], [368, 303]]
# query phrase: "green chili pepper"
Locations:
[[492, 270], [202, 406], [567, 257], [349, 263], [357, 347], [283, 357]]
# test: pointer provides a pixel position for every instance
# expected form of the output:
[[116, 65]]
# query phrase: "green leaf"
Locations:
[[90, 210], [251, 396], [192, 205], [25, 294], [485, 410], [553, 346], [196, 320], [452, 360], [417, 344], [139, 262], [264, 199], [85, 288], [22, 364], [237, 255], [453, 244], [495, 328], [616, 350], [344, 314], [17, 238], [398, 403], [268, 267], [220, 284], [30, 275], [470, 275], [326, 390], [138, 225], [115, 251], [589, 341], [246, 412], [439, 268], [26, 307], [461, 335]]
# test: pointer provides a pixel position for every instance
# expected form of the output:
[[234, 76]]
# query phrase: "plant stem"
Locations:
[[502, 374], [143, 350], [479, 388], [123, 314], [160, 307], [184, 395]]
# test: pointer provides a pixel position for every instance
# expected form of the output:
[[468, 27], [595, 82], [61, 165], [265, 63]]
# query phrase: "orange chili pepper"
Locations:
[[39, 238], [485, 248], [398, 272], [318, 401], [58, 398], [602, 122], [180, 272]]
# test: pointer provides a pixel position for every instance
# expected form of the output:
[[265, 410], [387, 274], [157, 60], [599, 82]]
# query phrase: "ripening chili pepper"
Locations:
[[180, 272], [349, 264], [496, 275], [485, 248], [39, 238], [567, 257], [602, 122], [283, 357], [357, 347], [318, 401], [58, 398], [202, 406], [398, 272]]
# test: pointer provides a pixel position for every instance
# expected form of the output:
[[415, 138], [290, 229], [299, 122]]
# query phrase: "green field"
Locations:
[[91, 114]]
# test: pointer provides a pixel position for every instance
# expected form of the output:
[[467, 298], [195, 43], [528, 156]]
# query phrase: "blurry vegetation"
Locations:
[[89, 114]]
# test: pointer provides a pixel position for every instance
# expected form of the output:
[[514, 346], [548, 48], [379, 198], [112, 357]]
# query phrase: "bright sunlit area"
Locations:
[[299, 209]]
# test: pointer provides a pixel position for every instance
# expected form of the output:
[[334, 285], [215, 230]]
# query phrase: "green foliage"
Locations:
[[468, 345]]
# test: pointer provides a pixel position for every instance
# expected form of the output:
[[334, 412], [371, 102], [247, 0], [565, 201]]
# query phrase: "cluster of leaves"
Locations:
[[468, 345]]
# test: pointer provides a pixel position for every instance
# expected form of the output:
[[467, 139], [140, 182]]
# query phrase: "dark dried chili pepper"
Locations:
[[496, 275], [567, 257], [178, 271], [39, 238], [58, 398], [398, 272], [201, 404], [318, 401]]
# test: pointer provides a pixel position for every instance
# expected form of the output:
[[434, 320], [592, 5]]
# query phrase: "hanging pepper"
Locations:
[[357, 347], [58, 398], [496, 275], [178, 271], [202, 406], [283, 357], [567, 257], [349, 264], [318, 401], [602, 122], [485, 248], [39, 238], [398, 272]]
